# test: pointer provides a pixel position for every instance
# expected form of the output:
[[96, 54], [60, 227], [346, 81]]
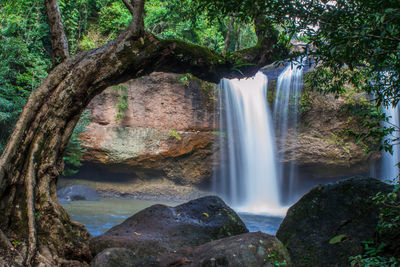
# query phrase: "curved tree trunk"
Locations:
[[29, 210]]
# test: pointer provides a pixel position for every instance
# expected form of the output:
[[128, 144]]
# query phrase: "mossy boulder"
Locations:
[[160, 228], [249, 249], [327, 225]]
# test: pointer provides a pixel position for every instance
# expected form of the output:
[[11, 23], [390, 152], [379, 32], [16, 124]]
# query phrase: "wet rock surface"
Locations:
[[326, 226], [77, 192], [160, 228], [249, 249]]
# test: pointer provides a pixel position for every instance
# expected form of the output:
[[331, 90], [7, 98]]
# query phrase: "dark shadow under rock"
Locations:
[[249, 249], [160, 228], [326, 226]]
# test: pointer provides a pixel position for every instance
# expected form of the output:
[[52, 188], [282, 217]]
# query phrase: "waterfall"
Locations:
[[285, 114], [248, 178], [389, 169]]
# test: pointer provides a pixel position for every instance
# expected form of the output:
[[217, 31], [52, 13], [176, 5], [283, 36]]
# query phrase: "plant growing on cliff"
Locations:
[[122, 102], [175, 135]]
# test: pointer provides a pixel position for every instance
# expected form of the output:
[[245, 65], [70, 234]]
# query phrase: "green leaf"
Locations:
[[337, 239]]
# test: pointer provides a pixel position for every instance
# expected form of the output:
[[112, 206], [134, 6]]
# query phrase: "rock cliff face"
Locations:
[[165, 132], [322, 148], [168, 131]]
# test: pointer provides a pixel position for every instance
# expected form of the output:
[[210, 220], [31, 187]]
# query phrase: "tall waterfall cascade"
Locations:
[[389, 169], [248, 177], [251, 177], [288, 92]]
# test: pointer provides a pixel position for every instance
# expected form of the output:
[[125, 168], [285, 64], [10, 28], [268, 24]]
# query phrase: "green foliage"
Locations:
[[372, 257], [371, 132], [24, 61], [122, 103], [305, 103], [358, 42], [75, 15], [390, 214], [276, 262], [175, 135], [337, 239], [74, 151], [375, 253], [114, 17], [184, 20], [185, 79]]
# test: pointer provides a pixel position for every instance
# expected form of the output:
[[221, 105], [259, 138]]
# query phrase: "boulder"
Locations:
[[327, 225], [121, 257], [77, 192], [249, 249], [160, 228]]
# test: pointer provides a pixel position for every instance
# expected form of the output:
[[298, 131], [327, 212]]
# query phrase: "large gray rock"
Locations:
[[160, 228], [326, 226], [250, 249]]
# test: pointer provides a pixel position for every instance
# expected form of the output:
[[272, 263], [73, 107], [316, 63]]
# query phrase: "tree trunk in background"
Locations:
[[29, 210], [228, 35], [238, 39]]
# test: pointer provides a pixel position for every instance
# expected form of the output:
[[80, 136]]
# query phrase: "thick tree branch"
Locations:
[[59, 40], [129, 6]]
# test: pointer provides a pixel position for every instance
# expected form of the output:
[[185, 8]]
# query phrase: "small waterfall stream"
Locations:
[[285, 115], [389, 169]]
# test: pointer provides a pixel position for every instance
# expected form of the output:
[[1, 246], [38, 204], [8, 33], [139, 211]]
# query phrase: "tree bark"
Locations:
[[29, 210], [59, 42]]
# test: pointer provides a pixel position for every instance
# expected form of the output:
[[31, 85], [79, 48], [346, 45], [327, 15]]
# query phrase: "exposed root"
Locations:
[[30, 185]]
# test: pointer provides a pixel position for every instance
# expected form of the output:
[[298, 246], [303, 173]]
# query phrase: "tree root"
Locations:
[[5, 242], [30, 184]]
